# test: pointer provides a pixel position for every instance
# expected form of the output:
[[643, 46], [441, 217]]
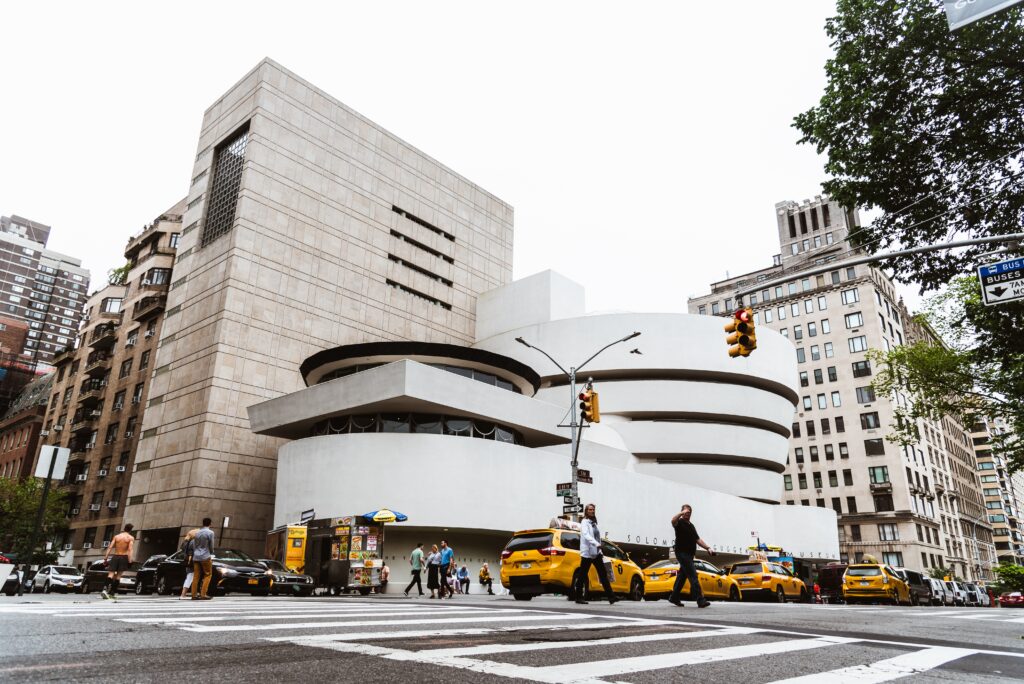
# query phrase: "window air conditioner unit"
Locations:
[[106, 544], [130, 343], [95, 414], [149, 333], [120, 469], [129, 434], [87, 545], [58, 428], [102, 472], [111, 504], [118, 407], [67, 547], [94, 507], [147, 281], [81, 478], [75, 511]]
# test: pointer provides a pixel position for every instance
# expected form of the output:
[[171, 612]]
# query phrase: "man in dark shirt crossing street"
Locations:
[[687, 540]]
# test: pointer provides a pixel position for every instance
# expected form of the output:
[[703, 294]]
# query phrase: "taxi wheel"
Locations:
[[636, 590], [780, 595], [522, 597], [734, 594]]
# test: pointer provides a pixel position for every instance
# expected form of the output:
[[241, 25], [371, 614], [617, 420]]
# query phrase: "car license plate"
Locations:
[[254, 581], [864, 584]]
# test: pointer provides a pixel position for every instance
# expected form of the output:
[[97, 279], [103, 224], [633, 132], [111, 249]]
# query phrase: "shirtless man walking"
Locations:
[[122, 548]]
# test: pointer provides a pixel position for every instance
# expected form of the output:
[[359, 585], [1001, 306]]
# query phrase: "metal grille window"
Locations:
[[227, 178]]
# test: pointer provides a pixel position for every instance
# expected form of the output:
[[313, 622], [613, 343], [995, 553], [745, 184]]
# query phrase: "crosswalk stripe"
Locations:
[[915, 662], [311, 614], [314, 639], [639, 638], [533, 615]]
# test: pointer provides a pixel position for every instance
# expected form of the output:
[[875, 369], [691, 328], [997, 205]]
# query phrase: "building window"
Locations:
[[119, 400], [870, 421], [858, 344], [815, 353], [814, 454], [818, 377], [888, 532], [844, 451], [830, 452], [788, 479], [829, 353], [111, 305], [850, 296], [126, 368], [840, 424], [861, 369], [822, 401], [801, 355], [798, 332], [812, 329], [144, 360], [137, 393], [836, 400], [781, 313], [767, 315], [803, 378], [798, 454], [854, 320], [817, 480], [807, 403], [228, 162], [173, 242], [832, 376], [715, 308], [883, 502], [893, 558], [865, 395], [879, 474], [874, 447], [855, 532], [702, 310], [848, 477], [796, 429]]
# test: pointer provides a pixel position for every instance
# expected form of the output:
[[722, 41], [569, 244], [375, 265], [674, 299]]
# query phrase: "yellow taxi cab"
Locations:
[[547, 561], [874, 582], [714, 582], [767, 579]]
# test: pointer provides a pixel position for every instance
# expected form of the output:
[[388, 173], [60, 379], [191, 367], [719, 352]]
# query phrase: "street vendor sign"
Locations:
[[1002, 282]]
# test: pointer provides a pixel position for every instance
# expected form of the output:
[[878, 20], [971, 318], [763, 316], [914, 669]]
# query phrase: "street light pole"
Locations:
[[575, 436]]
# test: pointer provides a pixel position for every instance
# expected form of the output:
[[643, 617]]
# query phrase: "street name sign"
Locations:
[[960, 13], [563, 489], [1002, 282], [584, 476]]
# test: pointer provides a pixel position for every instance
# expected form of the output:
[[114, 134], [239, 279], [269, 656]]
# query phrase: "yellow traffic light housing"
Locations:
[[589, 407], [741, 338]]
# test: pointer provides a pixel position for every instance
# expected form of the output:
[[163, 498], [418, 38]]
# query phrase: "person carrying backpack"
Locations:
[[187, 546]]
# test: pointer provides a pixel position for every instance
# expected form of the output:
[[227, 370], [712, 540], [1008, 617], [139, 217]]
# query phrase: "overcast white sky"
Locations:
[[643, 145]]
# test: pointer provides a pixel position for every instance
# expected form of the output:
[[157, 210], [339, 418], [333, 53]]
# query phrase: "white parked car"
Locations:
[[959, 593], [940, 596], [57, 578]]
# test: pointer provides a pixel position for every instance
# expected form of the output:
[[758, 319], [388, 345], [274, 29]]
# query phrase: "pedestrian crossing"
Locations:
[[924, 612], [536, 644]]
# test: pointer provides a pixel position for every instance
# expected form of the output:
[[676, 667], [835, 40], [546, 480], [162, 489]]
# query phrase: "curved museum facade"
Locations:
[[465, 440]]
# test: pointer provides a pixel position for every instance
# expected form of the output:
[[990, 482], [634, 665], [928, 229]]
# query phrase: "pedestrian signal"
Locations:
[[741, 338], [589, 407]]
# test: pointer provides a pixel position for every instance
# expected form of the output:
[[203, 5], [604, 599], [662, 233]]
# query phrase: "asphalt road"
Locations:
[[496, 639]]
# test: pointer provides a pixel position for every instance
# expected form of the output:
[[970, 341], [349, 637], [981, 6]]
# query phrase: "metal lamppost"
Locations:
[[573, 424]]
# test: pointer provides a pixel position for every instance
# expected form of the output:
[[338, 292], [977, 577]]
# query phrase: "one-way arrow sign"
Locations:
[[1002, 282]]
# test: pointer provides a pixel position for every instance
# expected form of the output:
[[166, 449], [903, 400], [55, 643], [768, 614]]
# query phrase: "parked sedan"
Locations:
[[57, 578], [288, 581], [96, 578], [1011, 599], [233, 570], [145, 576]]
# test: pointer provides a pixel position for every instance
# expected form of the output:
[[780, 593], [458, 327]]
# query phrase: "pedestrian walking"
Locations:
[[434, 571], [416, 561], [463, 580], [687, 541], [447, 569], [186, 548], [202, 561], [590, 553], [485, 579], [118, 558], [385, 574]]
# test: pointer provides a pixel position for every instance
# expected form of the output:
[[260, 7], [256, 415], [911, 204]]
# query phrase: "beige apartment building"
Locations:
[[908, 506], [101, 386], [306, 227], [1002, 491]]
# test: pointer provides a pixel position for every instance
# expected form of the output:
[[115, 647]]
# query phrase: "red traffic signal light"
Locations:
[[741, 338], [589, 407]]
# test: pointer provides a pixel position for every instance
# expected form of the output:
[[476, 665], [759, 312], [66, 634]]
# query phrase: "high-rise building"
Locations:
[[307, 227], [44, 288], [100, 389], [917, 506], [1001, 490]]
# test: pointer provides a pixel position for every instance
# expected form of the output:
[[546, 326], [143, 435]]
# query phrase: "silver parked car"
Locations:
[[958, 591], [940, 596], [57, 578]]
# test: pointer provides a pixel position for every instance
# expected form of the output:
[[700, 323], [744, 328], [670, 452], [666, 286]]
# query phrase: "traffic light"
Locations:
[[589, 407], [741, 336]]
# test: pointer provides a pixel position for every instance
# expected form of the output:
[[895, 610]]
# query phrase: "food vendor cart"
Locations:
[[344, 554]]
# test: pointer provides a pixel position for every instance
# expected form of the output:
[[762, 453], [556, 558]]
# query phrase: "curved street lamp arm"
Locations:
[[523, 342], [610, 344]]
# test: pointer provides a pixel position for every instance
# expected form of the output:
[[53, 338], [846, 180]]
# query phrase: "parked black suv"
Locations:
[[233, 570], [145, 576]]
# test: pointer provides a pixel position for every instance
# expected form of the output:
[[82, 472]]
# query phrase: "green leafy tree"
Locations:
[[1010, 578], [975, 372], [926, 126], [943, 573], [118, 276], [19, 506]]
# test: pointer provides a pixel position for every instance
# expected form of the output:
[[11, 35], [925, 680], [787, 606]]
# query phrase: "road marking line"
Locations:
[[917, 662], [532, 615], [211, 610], [585, 643], [313, 639], [310, 614]]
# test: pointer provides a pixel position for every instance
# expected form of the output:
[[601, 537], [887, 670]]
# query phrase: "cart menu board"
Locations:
[[361, 545]]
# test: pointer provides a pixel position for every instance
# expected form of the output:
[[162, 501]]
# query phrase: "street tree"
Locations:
[[1010, 577], [974, 372], [924, 125], [19, 506]]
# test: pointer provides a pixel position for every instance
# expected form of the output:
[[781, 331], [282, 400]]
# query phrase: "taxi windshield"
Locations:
[[745, 568], [662, 564], [864, 572]]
